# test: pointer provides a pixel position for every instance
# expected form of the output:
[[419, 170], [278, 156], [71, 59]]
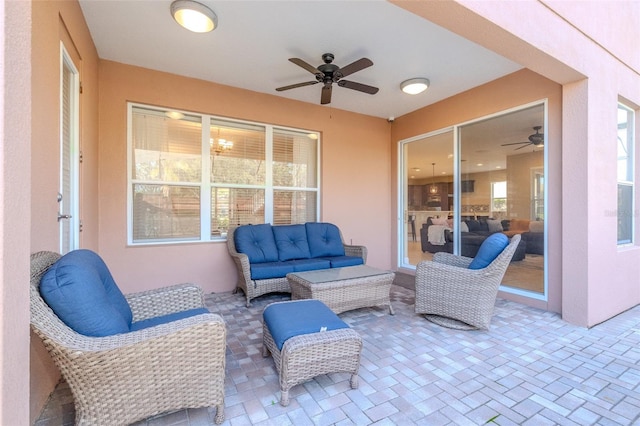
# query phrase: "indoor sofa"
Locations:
[[265, 254], [472, 235]]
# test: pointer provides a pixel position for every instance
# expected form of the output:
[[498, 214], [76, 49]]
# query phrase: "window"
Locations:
[[193, 176], [625, 174], [499, 196]]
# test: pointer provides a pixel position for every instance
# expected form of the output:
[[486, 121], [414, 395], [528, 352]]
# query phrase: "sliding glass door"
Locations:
[[477, 178]]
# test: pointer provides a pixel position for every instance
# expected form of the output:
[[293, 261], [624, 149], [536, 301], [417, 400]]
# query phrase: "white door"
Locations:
[[68, 196]]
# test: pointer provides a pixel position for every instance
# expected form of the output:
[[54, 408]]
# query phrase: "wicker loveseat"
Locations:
[[265, 254], [122, 378]]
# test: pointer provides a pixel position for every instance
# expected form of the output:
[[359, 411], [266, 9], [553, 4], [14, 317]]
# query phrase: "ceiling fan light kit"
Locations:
[[415, 86], [194, 16], [329, 73]]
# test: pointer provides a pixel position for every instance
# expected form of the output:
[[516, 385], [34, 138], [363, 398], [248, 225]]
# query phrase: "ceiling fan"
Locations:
[[536, 139], [329, 73]]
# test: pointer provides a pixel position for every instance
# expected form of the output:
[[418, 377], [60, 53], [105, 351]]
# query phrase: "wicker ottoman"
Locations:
[[316, 342]]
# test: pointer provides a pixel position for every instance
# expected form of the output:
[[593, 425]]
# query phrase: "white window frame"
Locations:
[[629, 181], [206, 185], [493, 197]]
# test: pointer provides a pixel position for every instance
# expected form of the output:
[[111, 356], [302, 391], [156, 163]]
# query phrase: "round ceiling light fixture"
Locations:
[[194, 16], [415, 85]]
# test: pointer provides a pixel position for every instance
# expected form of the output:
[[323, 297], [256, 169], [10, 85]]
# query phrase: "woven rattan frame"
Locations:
[[345, 295], [454, 296], [117, 380], [254, 288], [306, 356]]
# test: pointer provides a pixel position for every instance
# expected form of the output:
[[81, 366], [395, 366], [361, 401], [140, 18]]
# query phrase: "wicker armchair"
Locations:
[[453, 296], [127, 377], [254, 288]]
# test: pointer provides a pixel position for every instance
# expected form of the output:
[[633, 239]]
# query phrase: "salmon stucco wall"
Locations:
[[355, 174]]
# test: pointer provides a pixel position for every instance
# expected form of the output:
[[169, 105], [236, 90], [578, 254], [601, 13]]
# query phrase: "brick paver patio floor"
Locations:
[[531, 368]]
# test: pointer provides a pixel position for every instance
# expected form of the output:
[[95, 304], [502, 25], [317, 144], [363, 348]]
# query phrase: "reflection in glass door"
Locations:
[[428, 196]]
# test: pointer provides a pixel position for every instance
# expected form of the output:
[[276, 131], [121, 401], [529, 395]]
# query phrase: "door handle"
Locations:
[[63, 216]]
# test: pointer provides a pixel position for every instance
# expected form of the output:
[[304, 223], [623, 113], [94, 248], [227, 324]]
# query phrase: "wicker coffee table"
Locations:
[[344, 289]]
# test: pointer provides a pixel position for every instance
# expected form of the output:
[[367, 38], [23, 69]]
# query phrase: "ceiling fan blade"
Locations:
[[523, 146], [299, 62], [358, 86], [355, 66], [293, 86], [515, 143], [325, 98]]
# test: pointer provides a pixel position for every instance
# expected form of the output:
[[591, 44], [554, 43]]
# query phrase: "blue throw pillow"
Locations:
[[80, 290], [291, 241], [324, 239], [490, 249], [257, 242], [289, 319]]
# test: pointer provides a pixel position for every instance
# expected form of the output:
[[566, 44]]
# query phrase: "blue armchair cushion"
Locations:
[[163, 319], [291, 241], [324, 239], [257, 242], [490, 249], [286, 320], [81, 291]]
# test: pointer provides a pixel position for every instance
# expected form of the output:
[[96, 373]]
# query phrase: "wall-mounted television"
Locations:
[[466, 185]]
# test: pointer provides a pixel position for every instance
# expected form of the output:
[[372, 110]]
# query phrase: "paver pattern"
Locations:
[[531, 368]]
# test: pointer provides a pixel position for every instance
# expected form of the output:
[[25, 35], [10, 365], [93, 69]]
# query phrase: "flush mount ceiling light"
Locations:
[[194, 16], [415, 85]]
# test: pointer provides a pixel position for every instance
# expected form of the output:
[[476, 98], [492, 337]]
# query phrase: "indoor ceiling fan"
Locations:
[[536, 139], [329, 73]]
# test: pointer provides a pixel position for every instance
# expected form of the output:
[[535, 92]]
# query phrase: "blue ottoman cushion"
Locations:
[[490, 249], [324, 239], [289, 319], [257, 242], [291, 241], [81, 291]]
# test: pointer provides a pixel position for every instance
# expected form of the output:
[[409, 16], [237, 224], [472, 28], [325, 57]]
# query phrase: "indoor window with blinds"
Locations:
[[193, 176]]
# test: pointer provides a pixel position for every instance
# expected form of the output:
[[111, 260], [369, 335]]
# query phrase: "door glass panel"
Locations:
[[502, 189], [428, 198]]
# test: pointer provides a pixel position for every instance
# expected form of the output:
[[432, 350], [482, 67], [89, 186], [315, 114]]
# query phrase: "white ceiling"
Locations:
[[254, 39]]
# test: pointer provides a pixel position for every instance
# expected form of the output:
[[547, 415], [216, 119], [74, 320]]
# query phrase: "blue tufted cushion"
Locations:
[[257, 242], [342, 261], [310, 316], [489, 250], [268, 270], [324, 239], [291, 241], [175, 316], [81, 291]]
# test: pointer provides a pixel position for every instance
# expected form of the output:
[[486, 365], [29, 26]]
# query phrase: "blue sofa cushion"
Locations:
[[286, 320], [301, 265], [324, 239], [291, 241], [81, 291], [268, 270], [490, 249], [163, 319], [342, 261], [257, 242]]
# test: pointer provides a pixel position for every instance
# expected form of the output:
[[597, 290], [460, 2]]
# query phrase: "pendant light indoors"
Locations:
[[433, 189], [194, 16]]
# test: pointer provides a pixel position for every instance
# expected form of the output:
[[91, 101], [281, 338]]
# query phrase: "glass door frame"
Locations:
[[403, 195]]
